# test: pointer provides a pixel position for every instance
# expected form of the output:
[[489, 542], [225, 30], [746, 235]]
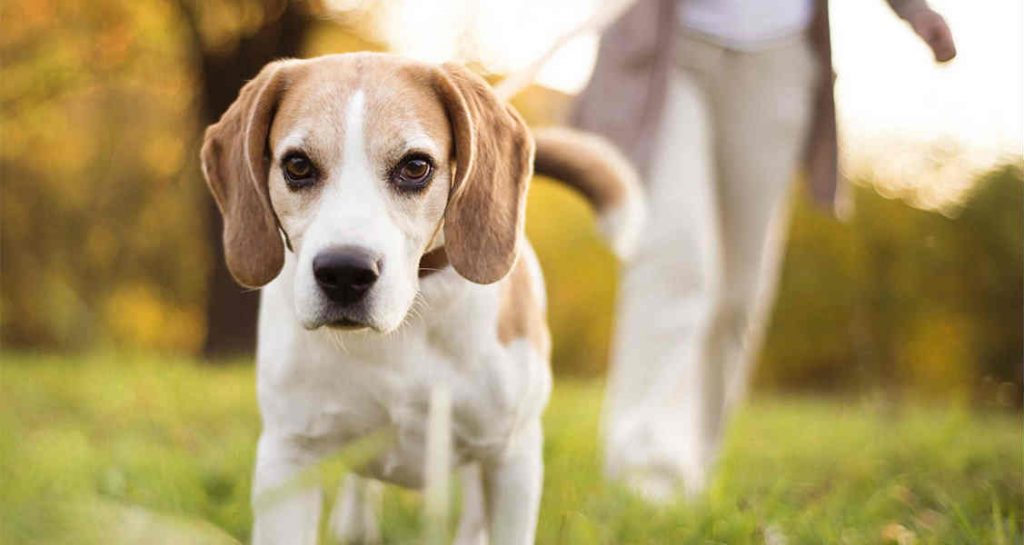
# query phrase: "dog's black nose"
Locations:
[[346, 274]]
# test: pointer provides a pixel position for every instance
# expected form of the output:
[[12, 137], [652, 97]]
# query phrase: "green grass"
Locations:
[[108, 449]]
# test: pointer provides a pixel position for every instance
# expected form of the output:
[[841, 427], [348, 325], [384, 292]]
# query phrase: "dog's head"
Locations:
[[360, 164]]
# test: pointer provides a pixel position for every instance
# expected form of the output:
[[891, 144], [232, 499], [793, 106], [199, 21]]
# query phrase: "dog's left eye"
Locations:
[[412, 173]]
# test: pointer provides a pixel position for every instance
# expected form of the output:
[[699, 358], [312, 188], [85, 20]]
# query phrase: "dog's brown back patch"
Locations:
[[521, 314]]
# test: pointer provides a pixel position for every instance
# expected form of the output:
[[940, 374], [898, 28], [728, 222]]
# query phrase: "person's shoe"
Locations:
[[663, 484]]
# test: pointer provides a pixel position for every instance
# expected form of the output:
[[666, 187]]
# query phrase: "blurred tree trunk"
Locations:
[[230, 310]]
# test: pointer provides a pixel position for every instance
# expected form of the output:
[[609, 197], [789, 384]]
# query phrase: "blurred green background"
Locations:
[[886, 405], [110, 239]]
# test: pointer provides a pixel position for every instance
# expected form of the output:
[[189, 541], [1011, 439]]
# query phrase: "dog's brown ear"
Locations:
[[235, 164], [493, 165]]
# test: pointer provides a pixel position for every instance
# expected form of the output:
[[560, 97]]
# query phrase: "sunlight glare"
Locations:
[[946, 121]]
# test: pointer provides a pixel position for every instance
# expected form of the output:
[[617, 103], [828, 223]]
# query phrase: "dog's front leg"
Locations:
[[354, 519], [286, 511], [512, 485], [473, 520]]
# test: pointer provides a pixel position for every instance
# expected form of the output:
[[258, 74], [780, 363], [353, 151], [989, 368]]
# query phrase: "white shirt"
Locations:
[[746, 24]]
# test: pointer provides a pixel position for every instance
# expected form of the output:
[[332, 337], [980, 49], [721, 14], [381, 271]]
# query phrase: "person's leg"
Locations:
[[762, 108], [651, 423]]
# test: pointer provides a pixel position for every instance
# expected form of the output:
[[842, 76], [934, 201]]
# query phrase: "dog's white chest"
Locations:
[[336, 394]]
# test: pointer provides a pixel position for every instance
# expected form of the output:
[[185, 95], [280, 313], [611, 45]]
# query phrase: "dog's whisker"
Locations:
[[338, 341], [422, 300], [415, 308], [418, 303], [332, 340]]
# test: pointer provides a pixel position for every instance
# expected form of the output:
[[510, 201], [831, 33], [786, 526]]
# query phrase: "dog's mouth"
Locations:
[[347, 324], [337, 319], [360, 317]]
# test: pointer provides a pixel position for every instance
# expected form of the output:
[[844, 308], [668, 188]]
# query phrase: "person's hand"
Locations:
[[932, 28]]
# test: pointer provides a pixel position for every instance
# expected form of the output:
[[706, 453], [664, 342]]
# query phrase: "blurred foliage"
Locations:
[[899, 297], [102, 221], [97, 128]]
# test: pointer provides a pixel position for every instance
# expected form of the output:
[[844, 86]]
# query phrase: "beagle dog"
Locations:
[[378, 202]]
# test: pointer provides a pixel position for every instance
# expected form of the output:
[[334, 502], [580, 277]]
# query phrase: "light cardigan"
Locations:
[[625, 96]]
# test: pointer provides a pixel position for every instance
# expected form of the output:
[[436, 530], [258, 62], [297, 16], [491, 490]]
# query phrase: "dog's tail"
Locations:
[[601, 173]]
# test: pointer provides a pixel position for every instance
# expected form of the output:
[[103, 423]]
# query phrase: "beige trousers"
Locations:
[[694, 300]]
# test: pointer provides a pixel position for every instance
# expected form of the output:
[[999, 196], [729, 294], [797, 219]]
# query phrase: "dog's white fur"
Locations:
[[320, 388], [318, 391]]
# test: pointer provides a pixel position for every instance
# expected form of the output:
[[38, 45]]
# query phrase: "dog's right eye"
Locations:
[[298, 170]]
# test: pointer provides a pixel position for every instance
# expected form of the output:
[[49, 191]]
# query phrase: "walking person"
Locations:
[[719, 103]]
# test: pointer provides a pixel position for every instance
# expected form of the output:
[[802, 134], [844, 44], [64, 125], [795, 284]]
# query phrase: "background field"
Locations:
[[116, 245], [122, 449], [887, 399]]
